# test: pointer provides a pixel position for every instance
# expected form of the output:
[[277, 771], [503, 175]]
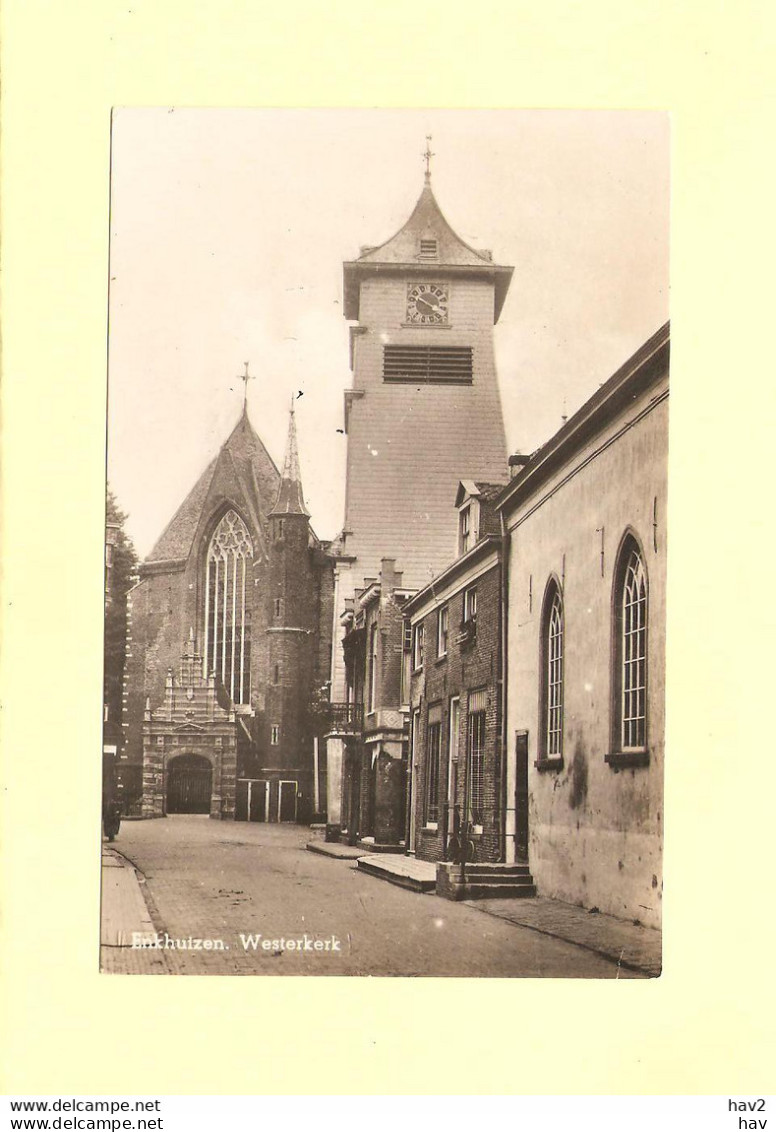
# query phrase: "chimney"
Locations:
[[516, 464], [390, 577]]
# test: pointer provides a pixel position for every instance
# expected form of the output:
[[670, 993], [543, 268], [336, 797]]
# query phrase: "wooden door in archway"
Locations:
[[189, 785]]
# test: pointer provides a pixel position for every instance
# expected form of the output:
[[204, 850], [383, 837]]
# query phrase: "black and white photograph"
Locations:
[[386, 543]]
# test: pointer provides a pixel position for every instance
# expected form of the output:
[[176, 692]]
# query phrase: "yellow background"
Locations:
[[707, 1025]]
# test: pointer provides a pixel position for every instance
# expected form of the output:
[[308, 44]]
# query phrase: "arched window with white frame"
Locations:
[[227, 614], [552, 669], [630, 649]]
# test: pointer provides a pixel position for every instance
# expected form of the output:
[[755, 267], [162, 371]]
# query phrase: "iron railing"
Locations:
[[347, 718]]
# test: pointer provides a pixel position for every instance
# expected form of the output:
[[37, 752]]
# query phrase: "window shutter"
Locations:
[[440, 365]]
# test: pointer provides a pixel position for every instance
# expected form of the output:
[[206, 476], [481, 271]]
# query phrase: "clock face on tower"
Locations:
[[426, 304]]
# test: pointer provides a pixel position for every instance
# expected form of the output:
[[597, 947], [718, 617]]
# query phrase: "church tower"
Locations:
[[424, 411]]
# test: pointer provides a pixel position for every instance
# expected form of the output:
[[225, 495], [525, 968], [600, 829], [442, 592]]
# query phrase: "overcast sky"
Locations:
[[228, 233]]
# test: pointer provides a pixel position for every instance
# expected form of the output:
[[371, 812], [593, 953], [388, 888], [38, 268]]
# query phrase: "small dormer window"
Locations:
[[428, 249], [465, 529], [468, 520]]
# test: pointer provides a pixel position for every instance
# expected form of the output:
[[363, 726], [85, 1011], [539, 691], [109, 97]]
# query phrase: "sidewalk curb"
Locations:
[[143, 889]]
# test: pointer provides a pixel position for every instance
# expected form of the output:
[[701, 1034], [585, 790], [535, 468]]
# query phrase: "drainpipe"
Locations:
[[506, 542], [410, 833], [316, 784], [465, 826]]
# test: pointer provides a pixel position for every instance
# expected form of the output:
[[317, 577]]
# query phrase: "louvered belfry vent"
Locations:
[[440, 365]]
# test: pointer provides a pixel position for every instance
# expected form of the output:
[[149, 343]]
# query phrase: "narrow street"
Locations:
[[220, 881]]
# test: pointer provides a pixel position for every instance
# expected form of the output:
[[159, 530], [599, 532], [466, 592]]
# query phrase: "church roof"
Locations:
[[427, 222], [648, 365], [426, 241], [245, 457], [290, 497]]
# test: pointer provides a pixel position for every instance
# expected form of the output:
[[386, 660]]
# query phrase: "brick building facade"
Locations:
[[374, 771], [455, 788]]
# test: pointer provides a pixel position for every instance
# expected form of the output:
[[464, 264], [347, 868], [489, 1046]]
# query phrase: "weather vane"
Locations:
[[427, 156]]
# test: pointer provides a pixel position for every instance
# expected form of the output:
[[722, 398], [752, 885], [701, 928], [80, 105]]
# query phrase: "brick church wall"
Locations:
[[169, 602]]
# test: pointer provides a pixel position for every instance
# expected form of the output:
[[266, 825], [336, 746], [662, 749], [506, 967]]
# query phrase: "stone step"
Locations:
[[371, 846], [497, 872], [475, 890], [485, 870], [467, 882], [404, 879]]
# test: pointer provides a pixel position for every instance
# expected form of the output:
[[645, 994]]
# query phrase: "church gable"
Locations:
[[231, 490], [243, 475], [175, 541]]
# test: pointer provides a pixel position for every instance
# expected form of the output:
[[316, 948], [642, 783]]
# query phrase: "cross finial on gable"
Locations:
[[427, 157], [246, 377]]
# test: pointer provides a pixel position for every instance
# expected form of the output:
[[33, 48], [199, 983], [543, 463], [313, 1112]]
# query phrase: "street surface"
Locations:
[[218, 881]]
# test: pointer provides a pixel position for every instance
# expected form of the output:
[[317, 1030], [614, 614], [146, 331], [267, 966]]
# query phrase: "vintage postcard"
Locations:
[[386, 543], [385, 683]]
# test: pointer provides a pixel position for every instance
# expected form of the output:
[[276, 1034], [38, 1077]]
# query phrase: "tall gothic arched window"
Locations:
[[552, 674], [631, 648], [227, 620]]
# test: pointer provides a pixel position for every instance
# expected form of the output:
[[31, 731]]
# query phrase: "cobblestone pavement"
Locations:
[[219, 881], [632, 945]]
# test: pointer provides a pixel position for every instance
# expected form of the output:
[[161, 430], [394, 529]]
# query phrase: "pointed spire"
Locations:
[[290, 500]]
